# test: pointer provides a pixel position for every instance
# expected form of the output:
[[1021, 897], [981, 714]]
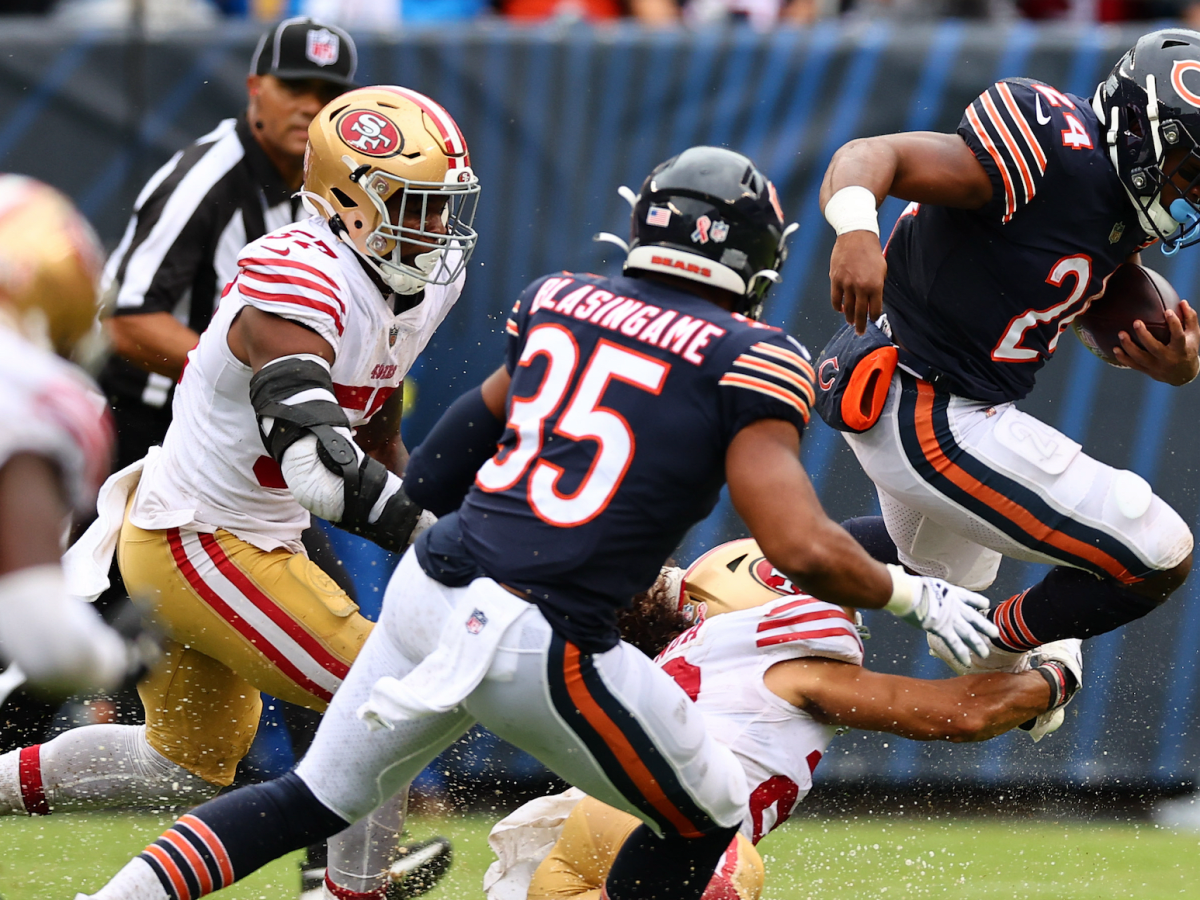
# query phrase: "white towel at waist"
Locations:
[[87, 562], [466, 648], [522, 840]]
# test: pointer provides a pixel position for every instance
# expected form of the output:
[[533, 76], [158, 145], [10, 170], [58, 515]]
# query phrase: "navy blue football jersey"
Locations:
[[625, 395], [983, 296]]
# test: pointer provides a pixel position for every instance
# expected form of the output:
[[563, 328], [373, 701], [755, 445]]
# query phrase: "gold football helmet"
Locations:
[[50, 262], [731, 576], [385, 147]]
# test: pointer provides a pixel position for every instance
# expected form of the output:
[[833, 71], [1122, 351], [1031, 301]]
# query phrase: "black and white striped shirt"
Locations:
[[181, 246]]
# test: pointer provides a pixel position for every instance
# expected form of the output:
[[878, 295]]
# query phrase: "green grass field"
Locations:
[[820, 859]]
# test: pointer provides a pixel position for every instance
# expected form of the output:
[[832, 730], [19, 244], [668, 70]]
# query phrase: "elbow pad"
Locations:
[[442, 469], [293, 399]]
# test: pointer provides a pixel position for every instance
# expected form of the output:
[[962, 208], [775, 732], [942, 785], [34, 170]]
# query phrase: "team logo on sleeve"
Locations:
[[370, 132], [771, 578], [322, 47]]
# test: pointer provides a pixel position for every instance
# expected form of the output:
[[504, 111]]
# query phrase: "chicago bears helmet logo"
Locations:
[[322, 46], [370, 132], [1177, 69], [771, 578]]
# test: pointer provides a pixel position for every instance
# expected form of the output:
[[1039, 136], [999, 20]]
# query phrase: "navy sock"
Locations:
[[1067, 603], [670, 867], [873, 535], [226, 839]]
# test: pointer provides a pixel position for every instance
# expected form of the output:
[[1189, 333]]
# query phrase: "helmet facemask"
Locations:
[[440, 257]]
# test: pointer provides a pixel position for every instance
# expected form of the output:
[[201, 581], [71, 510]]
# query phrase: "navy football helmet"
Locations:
[[709, 215], [1150, 106]]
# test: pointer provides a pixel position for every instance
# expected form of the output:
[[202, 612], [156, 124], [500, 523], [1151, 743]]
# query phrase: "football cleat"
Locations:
[[419, 868]]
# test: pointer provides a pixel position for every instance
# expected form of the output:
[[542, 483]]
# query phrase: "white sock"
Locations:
[[137, 881], [99, 767], [360, 856]]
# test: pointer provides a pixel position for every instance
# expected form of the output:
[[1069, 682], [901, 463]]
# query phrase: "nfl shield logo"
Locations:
[[322, 47], [476, 622], [393, 333]]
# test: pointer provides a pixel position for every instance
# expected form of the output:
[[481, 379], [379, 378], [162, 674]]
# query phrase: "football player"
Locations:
[[276, 419], [1016, 221], [777, 674], [55, 443], [623, 406]]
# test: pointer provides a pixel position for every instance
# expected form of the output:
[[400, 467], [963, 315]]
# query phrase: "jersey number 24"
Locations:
[[582, 418]]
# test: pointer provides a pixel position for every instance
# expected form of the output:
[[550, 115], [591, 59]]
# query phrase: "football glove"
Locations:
[[952, 613], [1061, 664]]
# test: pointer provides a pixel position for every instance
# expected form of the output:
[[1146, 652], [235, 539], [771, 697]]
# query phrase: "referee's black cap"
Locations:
[[305, 48]]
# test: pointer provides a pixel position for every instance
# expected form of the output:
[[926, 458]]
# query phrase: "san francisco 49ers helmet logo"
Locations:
[[370, 133], [771, 578]]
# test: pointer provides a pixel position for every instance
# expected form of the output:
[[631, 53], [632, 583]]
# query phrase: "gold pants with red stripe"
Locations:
[[592, 835], [239, 620]]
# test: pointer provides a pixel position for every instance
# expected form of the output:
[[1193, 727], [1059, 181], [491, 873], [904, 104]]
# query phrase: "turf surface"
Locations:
[[887, 858]]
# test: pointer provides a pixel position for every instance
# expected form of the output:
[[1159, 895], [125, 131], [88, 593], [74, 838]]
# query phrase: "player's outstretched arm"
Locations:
[[771, 492], [923, 166], [967, 708], [1175, 362]]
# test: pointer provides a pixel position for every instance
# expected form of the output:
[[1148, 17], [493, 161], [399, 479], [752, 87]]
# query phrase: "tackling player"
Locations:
[[776, 679], [1017, 220], [276, 418], [623, 406], [55, 442]]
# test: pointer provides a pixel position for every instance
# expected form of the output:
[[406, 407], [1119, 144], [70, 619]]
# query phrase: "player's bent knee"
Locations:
[[1159, 586]]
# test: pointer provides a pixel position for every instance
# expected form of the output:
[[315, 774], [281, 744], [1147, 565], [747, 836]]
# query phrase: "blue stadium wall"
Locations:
[[556, 120]]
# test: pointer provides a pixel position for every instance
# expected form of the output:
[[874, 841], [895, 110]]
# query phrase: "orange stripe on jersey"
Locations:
[[765, 387], [993, 113], [511, 327], [1006, 507], [616, 741], [173, 872], [788, 356], [1010, 200], [1010, 103], [199, 868], [777, 371], [214, 845]]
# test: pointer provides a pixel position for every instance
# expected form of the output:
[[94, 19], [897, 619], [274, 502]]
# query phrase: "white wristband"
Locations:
[[852, 209], [904, 591]]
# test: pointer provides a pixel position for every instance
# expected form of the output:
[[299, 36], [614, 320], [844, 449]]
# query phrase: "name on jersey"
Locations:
[[683, 335]]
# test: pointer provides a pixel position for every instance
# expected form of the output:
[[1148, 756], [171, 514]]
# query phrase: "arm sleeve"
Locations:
[[442, 469], [294, 290], [1011, 128], [771, 379]]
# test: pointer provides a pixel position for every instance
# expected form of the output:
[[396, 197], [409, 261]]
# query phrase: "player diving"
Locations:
[[1015, 222], [777, 674]]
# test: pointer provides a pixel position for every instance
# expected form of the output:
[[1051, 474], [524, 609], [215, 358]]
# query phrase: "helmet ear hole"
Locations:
[[344, 199]]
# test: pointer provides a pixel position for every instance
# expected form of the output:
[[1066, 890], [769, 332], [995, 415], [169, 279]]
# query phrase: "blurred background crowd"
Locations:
[[759, 14]]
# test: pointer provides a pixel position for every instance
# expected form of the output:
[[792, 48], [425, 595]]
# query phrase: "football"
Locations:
[[1132, 292]]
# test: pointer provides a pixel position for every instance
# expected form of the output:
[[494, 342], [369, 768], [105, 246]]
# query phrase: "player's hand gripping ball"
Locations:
[[1131, 293]]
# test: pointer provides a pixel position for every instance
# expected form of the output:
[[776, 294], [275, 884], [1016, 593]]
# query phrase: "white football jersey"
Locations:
[[720, 663], [214, 471], [50, 408]]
